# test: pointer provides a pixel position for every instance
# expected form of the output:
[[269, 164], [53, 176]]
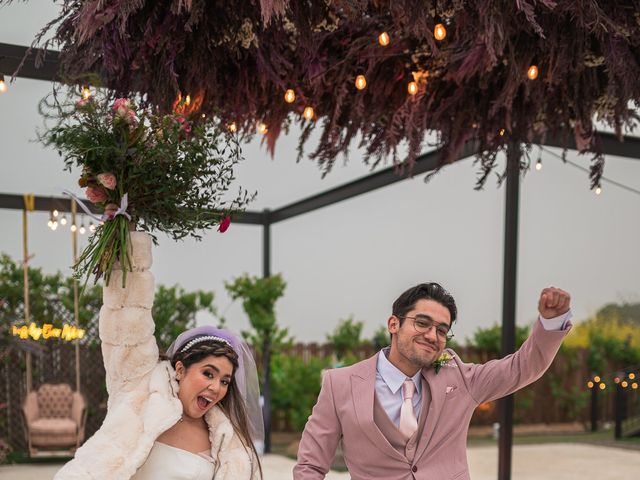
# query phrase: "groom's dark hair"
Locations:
[[424, 291]]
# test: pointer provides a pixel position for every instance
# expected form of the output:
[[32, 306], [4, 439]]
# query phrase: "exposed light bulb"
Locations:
[[308, 113], [54, 226], [263, 129], [384, 39], [82, 230], [187, 100], [598, 190], [502, 132], [63, 220], [50, 223], [86, 92], [233, 128], [532, 73], [290, 96], [92, 227], [204, 115], [412, 88], [55, 213], [74, 227], [3, 84], [539, 165], [361, 82], [439, 31]]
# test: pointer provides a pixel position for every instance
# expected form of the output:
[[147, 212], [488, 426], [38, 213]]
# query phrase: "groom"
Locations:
[[404, 413]]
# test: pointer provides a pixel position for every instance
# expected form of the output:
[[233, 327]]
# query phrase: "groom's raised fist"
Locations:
[[553, 302]]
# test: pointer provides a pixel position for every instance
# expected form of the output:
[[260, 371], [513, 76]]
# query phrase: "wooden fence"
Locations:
[[560, 396]]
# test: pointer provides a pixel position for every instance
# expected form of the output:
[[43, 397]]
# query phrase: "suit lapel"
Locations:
[[436, 386], [363, 386]]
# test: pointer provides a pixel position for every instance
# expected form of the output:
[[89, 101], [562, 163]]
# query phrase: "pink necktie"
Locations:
[[408, 421]]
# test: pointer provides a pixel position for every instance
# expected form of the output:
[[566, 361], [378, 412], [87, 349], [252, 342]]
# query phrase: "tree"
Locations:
[[489, 339], [175, 310], [259, 296], [381, 338], [345, 338]]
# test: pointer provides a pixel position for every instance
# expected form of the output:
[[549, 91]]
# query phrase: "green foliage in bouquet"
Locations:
[[143, 170]]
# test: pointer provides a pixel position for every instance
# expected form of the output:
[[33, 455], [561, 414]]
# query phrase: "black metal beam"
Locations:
[[63, 204], [424, 163], [12, 55], [509, 290], [629, 147]]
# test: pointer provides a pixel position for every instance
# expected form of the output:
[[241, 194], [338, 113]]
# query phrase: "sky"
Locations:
[[354, 258]]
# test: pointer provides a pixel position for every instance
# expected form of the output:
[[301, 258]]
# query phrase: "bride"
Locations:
[[192, 415]]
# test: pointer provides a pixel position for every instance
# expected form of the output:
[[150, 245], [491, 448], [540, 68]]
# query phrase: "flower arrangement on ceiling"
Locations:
[[381, 72], [144, 170]]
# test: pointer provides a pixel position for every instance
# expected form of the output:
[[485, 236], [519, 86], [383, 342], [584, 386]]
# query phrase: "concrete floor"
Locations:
[[557, 461]]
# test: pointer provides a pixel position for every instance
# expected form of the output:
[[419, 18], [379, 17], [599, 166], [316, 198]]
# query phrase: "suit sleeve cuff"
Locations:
[[556, 323]]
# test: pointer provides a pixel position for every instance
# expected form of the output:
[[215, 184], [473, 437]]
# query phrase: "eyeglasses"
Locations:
[[423, 324]]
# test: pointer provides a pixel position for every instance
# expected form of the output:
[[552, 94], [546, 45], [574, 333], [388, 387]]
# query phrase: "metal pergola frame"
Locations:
[[11, 55]]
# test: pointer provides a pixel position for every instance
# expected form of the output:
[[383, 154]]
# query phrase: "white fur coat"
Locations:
[[143, 400]]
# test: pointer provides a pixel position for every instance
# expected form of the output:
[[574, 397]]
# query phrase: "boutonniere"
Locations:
[[442, 360]]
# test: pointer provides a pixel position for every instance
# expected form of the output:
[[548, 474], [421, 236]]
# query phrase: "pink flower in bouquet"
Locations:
[[122, 111], [96, 194], [224, 224], [107, 180], [184, 124]]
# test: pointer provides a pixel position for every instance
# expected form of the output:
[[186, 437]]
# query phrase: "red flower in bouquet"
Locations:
[[224, 224], [96, 194]]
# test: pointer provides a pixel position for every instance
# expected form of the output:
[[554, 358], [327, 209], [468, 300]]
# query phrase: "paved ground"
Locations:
[[557, 461]]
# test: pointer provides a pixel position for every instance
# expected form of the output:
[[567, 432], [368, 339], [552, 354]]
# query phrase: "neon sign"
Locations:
[[67, 332]]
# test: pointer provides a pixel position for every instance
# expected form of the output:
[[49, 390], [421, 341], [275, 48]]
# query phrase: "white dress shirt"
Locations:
[[389, 378]]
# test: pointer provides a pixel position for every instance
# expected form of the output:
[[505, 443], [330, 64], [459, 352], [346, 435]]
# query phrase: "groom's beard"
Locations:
[[419, 351]]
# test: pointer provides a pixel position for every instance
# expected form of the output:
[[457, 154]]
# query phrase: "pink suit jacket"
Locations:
[[344, 411]]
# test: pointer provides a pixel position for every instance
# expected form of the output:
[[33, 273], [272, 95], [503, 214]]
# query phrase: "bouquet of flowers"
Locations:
[[144, 170]]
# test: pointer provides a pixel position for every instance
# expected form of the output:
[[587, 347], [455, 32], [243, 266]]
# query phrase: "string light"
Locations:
[[624, 384], [86, 92], [502, 130], [440, 32], [232, 127], [361, 82], [92, 227], [384, 39], [603, 386], [412, 88], [50, 223], [539, 164], [596, 379], [63, 220], [590, 384], [55, 213], [532, 73], [263, 129], [3, 85], [308, 113], [598, 190], [632, 376], [54, 225], [187, 100], [73, 227], [289, 96], [634, 385], [204, 115], [82, 230]]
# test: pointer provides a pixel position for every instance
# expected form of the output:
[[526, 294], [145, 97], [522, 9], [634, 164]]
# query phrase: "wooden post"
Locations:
[[29, 203], [74, 248]]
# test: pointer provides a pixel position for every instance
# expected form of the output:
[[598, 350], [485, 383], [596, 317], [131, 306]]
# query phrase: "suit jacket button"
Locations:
[[414, 469]]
